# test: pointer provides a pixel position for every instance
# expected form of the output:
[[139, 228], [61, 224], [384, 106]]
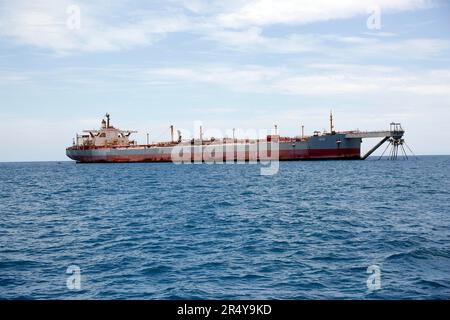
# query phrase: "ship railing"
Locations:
[[188, 142]]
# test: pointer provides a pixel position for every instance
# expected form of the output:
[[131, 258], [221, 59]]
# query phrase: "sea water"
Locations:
[[315, 230]]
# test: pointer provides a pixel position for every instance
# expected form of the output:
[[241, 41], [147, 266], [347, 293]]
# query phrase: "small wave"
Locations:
[[224, 204], [18, 265], [155, 270], [252, 276], [434, 283], [421, 253]]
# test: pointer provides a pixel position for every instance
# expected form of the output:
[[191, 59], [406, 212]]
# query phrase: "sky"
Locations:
[[226, 64]]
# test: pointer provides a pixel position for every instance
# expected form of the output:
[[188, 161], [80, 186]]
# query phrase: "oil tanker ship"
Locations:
[[110, 144]]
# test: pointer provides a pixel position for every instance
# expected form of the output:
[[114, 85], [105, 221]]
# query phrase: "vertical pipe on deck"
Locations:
[[331, 122]]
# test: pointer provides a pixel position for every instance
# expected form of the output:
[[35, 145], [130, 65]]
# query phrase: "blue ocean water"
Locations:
[[165, 231]]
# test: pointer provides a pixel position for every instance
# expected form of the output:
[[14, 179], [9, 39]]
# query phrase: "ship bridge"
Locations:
[[106, 136]]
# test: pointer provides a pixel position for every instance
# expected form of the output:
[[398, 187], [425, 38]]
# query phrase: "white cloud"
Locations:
[[43, 23], [246, 78], [420, 47], [315, 80], [109, 26], [426, 89], [267, 12], [252, 40]]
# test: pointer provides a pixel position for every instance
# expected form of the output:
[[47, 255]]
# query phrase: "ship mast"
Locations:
[[331, 122], [107, 120]]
